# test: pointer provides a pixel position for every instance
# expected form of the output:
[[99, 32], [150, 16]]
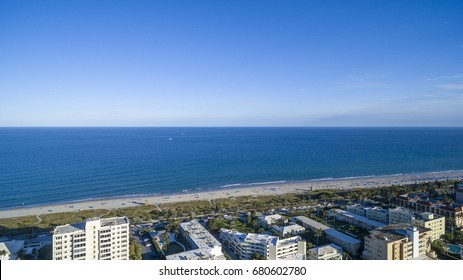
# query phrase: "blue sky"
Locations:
[[231, 63]]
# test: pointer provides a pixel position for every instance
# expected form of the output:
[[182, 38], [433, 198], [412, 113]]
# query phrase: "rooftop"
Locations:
[[70, 228], [394, 232], [325, 250], [341, 236], [198, 254], [114, 221], [311, 223], [200, 236], [272, 218], [64, 229], [359, 218]]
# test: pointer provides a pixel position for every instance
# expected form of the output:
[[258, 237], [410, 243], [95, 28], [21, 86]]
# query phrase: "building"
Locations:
[[205, 246], [292, 229], [430, 221], [356, 220], [377, 214], [421, 203], [400, 215], [426, 219], [326, 252], [10, 249], [397, 242], [94, 239], [346, 242], [269, 247], [356, 209], [268, 220], [459, 192]]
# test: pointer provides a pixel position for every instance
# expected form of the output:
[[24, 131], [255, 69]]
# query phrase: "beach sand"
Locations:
[[249, 190]]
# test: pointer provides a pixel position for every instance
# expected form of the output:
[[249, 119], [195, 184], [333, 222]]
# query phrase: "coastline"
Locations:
[[253, 189]]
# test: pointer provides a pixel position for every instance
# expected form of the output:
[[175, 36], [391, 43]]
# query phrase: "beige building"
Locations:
[[94, 239], [397, 242], [419, 203], [269, 247], [430, 221]]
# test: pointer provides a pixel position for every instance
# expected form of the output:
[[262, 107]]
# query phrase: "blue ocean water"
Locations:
[[49, 165]]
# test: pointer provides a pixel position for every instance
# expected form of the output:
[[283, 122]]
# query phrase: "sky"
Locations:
[[231, 63]]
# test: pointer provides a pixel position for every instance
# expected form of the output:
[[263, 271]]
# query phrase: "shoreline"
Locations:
[[229, 191]]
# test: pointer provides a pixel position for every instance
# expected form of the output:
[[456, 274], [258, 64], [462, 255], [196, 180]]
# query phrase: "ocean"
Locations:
[[51, 165]]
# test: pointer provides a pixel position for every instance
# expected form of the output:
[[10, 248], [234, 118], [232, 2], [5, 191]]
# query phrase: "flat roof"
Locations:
[[311, 223], [326, 249], [261, 238], [64, 229], [198, 254], [395, 231], [114, 221], [70, 228], [359, 218], [341, 236], [200, 236]]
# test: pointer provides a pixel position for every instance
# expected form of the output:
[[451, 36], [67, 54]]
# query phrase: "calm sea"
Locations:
[[49, 165]]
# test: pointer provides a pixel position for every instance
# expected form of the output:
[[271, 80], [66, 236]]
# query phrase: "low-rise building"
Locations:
[[267, 246], [356, 220], [292, 229], [10, 249], [400, 215], [346, 242], [326, 252], [205, 246], [377, 214], [459, 192], [269, 220], [94, 239], [397, 242], [356, 209]]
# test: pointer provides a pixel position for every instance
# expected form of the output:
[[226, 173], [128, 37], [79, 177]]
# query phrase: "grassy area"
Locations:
[[141, 213]]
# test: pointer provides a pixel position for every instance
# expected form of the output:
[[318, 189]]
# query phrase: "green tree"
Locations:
[[257, 256], [318, 233], [134, 250]]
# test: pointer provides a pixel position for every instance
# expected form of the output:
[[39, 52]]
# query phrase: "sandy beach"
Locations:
[[246, 190]]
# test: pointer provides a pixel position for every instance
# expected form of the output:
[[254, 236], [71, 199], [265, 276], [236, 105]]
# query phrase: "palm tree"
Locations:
[[165, 240], [346, 256], [460, 219], [318, 233], [3, 253], [451, 221]]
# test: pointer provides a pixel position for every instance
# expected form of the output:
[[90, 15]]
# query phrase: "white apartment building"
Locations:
[[205, 246], [373, 213], [269, 247], [377, 214], [400, 215], [292, 229], [326, 252], [268, 220], [94, 239]]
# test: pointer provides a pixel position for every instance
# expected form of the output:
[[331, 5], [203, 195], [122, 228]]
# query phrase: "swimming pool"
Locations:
[[454, 249]]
